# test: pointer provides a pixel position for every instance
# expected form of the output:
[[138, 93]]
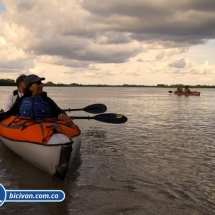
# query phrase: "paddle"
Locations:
[[95, 108], [113, 118], [106, 117]]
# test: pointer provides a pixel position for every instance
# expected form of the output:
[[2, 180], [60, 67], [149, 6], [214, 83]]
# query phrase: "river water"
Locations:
[[162, 161]]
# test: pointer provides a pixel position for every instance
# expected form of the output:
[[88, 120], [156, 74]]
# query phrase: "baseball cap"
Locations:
[[30, 79]]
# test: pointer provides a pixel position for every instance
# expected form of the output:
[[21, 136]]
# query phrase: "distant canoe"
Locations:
[[192, 93]]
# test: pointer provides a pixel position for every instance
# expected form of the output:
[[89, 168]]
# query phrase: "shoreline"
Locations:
[[132, 86]]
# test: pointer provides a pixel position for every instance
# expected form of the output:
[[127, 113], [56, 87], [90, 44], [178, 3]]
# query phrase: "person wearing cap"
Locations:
[[13, 96], [186, 89], [34, 103]]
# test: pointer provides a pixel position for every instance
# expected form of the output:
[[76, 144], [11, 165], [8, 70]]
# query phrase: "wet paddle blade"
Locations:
[[111, 118], [95, 108]]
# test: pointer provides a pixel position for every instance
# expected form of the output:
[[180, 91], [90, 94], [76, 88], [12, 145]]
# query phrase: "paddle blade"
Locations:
[[95, 108], [111, 118]]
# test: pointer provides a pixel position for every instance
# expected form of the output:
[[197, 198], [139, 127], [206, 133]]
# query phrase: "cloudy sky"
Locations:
[[109, 41]]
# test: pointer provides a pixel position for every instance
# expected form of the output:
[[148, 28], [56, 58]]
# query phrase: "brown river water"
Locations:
[[162, 161]]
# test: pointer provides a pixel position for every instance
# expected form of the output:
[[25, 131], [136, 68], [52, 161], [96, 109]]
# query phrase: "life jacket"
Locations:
[[34, 107], [15, 96]]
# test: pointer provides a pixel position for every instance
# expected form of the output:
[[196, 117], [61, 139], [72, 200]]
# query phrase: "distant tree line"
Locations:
[[7, 82], [11, 82], [190, 86]]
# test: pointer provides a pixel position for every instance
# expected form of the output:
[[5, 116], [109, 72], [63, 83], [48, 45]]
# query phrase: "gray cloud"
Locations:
[[113, 38], [186, 23], [133, 8], [8, 70], [160, 55], [16, 66], [13, 65], [178, 64], [25, 6], [81, 50], [72, 63], [107, 31], [142, 61]]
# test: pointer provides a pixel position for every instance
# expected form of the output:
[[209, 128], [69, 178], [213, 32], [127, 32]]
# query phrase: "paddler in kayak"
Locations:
[[187, 90], [180, 89], [34, 103], [16, 94]]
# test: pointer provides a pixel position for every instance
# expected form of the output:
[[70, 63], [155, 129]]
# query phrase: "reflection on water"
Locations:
[[160, 162]]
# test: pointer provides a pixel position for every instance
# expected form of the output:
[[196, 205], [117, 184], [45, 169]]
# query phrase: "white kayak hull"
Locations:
[[55, 157]]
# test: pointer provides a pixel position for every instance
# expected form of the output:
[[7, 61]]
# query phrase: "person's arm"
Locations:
[[14, 110], [9, 102], [55, 110]]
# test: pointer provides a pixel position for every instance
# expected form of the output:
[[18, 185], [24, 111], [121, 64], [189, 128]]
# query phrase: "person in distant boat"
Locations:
[[187, 90], [16, 94], [35, 102], [180, 89]]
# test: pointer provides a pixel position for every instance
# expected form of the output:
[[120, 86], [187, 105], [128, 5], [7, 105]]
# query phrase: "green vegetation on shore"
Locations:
[[10, 82]]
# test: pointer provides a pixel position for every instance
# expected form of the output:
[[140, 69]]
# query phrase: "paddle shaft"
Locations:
[[72, 109], [106, 117], [94, 108]]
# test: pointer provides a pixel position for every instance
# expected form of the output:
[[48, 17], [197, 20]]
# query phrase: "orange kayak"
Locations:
[[50, 144], [193, 93]]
